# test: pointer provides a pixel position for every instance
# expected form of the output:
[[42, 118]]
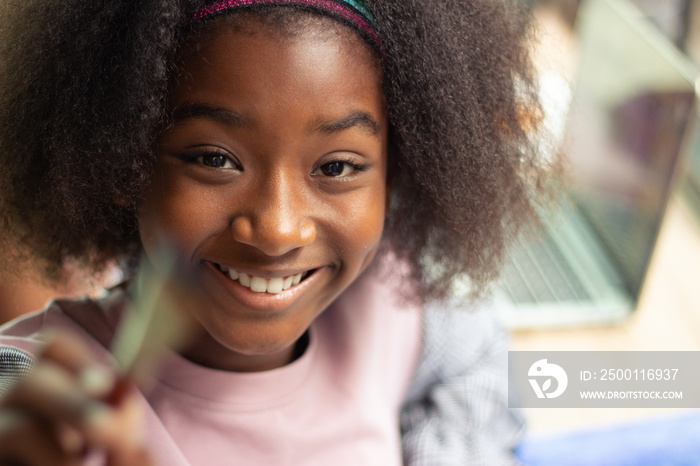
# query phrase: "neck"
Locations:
[[207, 352]]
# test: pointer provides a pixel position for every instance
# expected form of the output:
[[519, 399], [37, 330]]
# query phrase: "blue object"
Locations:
[[666, 441]]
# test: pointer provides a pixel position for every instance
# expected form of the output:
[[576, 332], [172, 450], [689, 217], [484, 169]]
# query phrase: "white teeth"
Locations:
[[260, 284], [274, 285]]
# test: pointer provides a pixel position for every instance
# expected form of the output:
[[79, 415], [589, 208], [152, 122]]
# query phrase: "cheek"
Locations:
[[178, 211], [363, 224]]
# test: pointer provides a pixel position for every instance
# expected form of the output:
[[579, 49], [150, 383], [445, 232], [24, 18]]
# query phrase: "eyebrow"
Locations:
[[227, 117], [362, 120], [187, 110]]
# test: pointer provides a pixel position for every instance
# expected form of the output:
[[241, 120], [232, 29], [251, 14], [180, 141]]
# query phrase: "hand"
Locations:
[[59, 413]]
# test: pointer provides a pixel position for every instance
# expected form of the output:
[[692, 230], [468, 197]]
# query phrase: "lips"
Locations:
[[262, 284], [238, 297]]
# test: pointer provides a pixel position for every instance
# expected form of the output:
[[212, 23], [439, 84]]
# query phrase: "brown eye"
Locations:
[[336, 169], [212, 159], [216, 161]]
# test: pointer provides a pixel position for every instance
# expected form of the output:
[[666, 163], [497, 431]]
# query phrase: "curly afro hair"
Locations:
[[83, 87]]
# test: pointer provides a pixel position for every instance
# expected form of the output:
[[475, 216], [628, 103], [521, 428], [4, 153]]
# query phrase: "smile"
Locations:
[[262, 284]]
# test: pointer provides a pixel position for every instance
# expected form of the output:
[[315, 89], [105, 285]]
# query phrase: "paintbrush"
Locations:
[[154, 322]]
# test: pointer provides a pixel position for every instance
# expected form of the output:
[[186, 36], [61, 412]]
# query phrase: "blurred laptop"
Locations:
[[632, 111]]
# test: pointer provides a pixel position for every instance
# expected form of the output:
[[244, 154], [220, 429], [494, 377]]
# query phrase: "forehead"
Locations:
[[285, 24], [249, 61]]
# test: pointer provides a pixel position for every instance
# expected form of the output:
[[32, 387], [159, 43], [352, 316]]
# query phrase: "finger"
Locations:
[[68, 352], [71, 440], [125, 447], [133, 457], [26, 442], [128, 422], [52, 395]]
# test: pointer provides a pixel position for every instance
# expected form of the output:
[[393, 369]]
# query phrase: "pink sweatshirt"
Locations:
[[336, 405]]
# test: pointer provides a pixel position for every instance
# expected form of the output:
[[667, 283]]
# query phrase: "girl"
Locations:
[[324, 169]]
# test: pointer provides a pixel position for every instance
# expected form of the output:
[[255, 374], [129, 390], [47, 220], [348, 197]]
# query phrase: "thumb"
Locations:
[[137, 456]]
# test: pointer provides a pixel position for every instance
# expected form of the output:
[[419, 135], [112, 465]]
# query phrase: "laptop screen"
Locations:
[[626, 128]]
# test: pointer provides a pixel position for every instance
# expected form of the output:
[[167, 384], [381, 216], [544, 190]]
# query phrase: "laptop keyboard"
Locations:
[[540, 273], [629, 236]]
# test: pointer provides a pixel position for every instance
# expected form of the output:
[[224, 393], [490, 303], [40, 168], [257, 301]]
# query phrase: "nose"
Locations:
[[276, 220]]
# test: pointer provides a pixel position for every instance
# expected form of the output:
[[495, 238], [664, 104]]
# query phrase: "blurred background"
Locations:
[[618, 267], [618, 79]]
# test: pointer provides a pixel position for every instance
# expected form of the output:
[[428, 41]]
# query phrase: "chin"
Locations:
[[252, 349]]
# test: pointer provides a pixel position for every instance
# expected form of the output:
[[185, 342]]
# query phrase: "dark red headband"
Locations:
[[353, 11]]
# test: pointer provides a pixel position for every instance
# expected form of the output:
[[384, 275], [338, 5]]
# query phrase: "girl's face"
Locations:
[[274, 170]]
